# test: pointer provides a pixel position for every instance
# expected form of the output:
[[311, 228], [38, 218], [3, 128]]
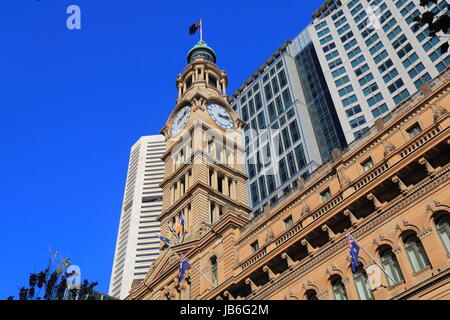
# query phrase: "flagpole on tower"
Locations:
[[201, 29]]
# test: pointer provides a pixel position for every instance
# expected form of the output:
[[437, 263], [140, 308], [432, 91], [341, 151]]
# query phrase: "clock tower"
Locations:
[[204, 186]]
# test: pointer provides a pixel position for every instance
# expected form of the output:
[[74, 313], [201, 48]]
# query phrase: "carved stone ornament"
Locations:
[[388, 148], [439, 112], [305, 210], [269, 236], [198, 103]]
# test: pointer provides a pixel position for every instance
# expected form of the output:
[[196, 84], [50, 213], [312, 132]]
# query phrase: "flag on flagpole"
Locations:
[[354, 253], [180, 224], [194, 27], [165, 240], [184, 265]]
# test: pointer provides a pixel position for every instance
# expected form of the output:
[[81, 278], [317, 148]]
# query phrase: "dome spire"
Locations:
[[201, 48]]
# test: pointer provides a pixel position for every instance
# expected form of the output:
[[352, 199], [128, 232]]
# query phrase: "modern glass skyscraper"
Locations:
[[290, 130], [374, 56], [137, 239]]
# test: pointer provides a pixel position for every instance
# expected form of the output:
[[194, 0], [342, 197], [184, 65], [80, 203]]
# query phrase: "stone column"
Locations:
[[225, 186], [214, 179]]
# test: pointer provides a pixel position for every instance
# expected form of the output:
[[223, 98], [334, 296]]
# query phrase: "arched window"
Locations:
[[214, 276], [416, 253], [338, 288], [362, 283], [311, 294], [390, 265], [443, 229]]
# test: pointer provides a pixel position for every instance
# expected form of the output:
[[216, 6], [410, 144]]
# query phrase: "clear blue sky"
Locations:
[[74, 102]]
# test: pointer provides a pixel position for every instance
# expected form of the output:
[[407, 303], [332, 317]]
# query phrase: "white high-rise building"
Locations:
[[137, 243], [374, 56]]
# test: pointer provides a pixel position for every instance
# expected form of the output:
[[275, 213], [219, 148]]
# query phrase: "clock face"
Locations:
[[220, 115], [180, 119]]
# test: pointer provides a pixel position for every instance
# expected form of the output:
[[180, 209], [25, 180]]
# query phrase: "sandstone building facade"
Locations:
[[389, 189]]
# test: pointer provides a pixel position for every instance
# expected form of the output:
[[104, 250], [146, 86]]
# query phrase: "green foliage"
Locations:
[[51, 283], [435, 24]]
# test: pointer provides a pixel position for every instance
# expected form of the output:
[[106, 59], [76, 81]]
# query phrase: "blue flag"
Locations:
[[184, 265], [354, 253], [165, 240]]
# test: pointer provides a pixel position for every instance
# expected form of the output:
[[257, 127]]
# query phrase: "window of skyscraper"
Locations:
[[395, 85], [379, 110], [401, 96]]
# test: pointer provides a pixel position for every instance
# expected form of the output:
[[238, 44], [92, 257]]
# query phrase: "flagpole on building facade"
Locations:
[[191, 264], [349, 235]]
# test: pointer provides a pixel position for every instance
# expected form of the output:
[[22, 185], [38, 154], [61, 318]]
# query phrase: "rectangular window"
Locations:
[[275, 86], [268, 91], [397, 43], [419, 82], [345, 91], [370, 89], [283, 170], [357, 122], [401, 96], [320, 25], [323, 32], [326, 40], [416, 70], [380, 57], [282, 78], [328, 47], [376, 47], [332, 55], [346, 102], [358, 61], [335, 63], [254, 193], [379, 110], [372, 39], [340, 22], [272, 111], [300, 156], [288, 222], [389, 24], [367, 164], [287, 98], [350, 44], [414, 130], [397, 84], [410, 60], [366, 32], [338, 72], [342, 81], [343, 29], [261, 120], [295, 133], [384, 66], [352, 111], [262, 187], [390, 75], [244, 113], [361, 70], [286, 138], [291, 163], [326, 194], [403, 51], [375, 99], [347, 36], [354, 52], [255, 246]]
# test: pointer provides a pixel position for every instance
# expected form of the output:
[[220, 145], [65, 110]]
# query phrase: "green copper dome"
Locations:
[[201, 49]]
